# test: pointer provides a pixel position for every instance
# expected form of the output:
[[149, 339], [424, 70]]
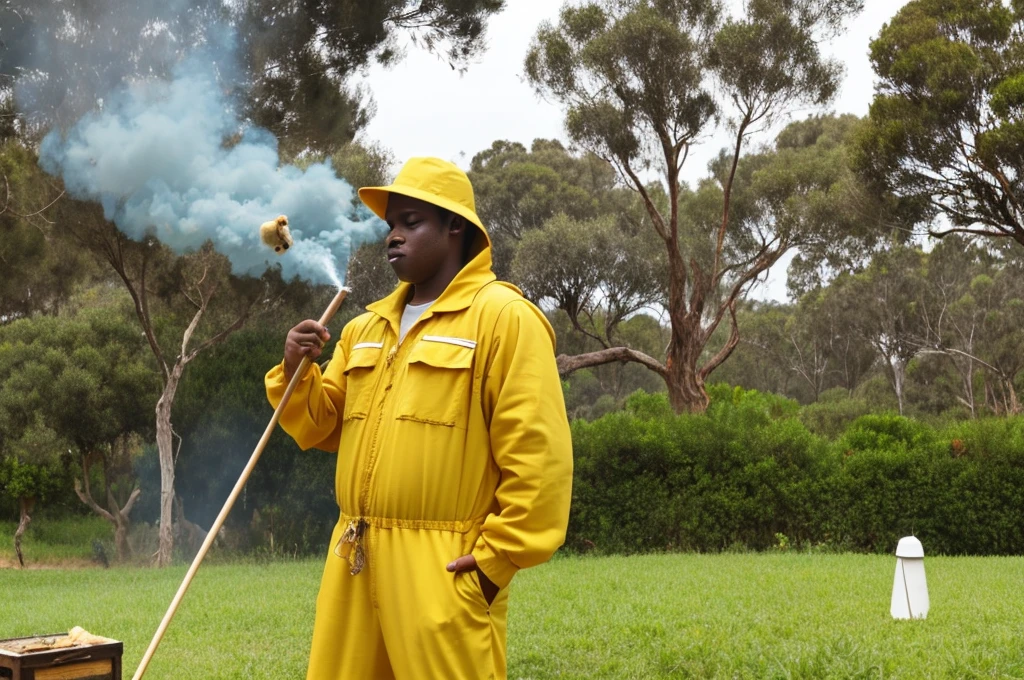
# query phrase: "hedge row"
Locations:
[[749, 474]]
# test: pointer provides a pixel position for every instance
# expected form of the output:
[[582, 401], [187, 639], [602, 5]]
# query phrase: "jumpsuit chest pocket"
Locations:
[[360, 378], [438, 383]]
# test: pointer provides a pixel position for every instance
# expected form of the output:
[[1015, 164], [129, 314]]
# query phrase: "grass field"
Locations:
[[660, 616]]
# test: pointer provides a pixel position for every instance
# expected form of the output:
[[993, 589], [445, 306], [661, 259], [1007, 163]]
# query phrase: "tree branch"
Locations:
[[727, 193], [115, 257], [186, 337], [656, 219], [127, 509], [730, 345], [223, 335], [568, 364], [976, 232], [579, 327], [86, 494]]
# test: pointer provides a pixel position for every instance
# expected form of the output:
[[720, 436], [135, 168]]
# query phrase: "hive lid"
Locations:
[[37, 644], [909, 546]]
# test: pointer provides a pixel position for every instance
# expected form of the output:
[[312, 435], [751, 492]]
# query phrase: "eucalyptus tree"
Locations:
[[946, 121], [597, 273], [1003, 335], [973, 306], [61, 58], [642, 82], [763, 357], [821, 316], [882, 304], [518, 190], [564, 229], [32, 468], [811, 336], [956, 298]]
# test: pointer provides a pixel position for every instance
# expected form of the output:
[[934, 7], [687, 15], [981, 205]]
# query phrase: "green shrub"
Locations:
[[749, 471], [647, 479], [833, 412]]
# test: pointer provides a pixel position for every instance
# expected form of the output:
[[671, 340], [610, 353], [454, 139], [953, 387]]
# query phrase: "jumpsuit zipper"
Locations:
[[350, 545], [364, 496]]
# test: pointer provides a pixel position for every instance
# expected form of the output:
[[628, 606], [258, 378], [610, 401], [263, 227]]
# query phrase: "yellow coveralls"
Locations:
[[454, 442]]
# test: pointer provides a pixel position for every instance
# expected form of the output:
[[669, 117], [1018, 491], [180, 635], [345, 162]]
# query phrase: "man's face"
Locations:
[[419, 241]]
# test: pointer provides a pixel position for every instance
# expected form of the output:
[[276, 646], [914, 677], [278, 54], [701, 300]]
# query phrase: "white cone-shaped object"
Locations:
[[909, 588]]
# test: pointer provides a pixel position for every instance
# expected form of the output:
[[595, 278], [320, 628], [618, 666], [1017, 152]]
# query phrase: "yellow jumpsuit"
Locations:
[[453, 442]]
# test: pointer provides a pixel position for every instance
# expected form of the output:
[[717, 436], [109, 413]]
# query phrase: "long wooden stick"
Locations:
[[219, 522]]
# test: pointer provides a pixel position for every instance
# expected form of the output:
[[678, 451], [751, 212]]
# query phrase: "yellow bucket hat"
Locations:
[[429, 179]]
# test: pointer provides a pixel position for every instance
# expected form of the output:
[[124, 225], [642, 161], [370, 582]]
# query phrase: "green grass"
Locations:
[[56, 540], [659, 616]]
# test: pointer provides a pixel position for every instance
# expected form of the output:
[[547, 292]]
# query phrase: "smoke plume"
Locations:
[[156, 155]]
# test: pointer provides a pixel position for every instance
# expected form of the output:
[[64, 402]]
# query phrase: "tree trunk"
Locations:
[[1013, 405], [118, 516], [969, 388], [121, 526], [122, 523], [899, 376], [686, 391], [165, 449], [25, 506], [189, 534]]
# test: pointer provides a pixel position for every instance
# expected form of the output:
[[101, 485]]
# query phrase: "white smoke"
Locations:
[[155, 158]]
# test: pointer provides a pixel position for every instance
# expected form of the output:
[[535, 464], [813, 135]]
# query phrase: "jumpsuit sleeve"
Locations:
[[531, 445], [314, 412]]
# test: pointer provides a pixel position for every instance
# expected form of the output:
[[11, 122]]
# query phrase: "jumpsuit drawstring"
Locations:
[[350, 546]]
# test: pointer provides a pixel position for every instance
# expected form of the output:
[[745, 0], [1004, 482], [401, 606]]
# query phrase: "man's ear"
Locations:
[[457, 227]]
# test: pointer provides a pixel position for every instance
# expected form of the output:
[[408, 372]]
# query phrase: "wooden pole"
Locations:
[[219, 522]]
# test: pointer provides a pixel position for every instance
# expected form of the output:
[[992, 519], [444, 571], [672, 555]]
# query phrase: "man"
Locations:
[[454, 470]]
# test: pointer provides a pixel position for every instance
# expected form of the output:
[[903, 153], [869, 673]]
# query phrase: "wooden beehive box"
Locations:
[[100, 661]]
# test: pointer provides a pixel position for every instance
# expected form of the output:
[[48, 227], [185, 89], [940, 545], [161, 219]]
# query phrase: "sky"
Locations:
[[426, 108]]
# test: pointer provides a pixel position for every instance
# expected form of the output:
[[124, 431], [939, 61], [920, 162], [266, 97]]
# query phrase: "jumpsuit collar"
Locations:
[[457, 296]]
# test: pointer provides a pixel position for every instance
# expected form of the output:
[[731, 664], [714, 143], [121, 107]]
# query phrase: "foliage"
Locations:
[[300, 57], [882, 306], [75, 391], [946, 128], [290, 65], [833, 412], [63, 57], [647, 480], [749, 470], [519, 190], [642, 82], [34, 465], [605, 273], [40, 271]]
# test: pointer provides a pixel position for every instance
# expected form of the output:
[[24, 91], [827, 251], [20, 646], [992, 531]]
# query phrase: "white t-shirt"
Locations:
[[410, 316]]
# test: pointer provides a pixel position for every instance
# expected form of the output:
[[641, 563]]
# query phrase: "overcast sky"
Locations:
[[425, 108]]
